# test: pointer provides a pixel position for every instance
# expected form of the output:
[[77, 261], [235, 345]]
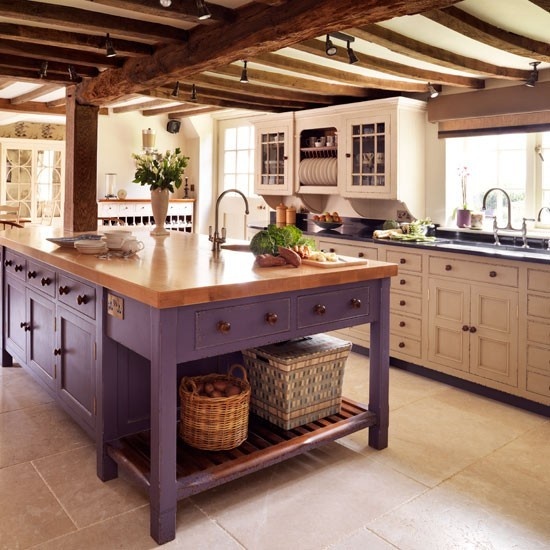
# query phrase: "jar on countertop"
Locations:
[[280, 215], [291, 215]]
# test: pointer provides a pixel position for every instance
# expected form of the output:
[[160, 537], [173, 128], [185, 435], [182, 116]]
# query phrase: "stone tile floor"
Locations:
[[461, 472]]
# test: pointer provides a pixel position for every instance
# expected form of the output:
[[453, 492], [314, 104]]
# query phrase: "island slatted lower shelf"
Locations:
[[266, 445]]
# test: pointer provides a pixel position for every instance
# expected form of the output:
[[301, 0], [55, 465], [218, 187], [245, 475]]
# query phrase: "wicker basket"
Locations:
[[214, 423], [299, 381]]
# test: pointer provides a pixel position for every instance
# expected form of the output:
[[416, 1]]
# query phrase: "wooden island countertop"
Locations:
[[181, 269]]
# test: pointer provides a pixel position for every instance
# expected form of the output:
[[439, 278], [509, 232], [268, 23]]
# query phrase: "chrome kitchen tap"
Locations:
[[509, 211], [218, 239]]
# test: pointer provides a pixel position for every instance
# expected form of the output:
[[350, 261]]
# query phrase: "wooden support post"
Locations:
[[80, 207]]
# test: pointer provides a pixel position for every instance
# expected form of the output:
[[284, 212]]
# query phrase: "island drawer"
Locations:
[[324, 307], [538, 306], [215, 327], [538, 280], [15, 264], [41, 277], [77, 295], [407, 283], [406, 260], [403, 303], [474, 271]]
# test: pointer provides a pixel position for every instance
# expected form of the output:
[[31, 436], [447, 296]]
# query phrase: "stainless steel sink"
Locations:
[[502, 250]]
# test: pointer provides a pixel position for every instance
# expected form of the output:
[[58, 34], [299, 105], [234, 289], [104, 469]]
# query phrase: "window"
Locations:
[[237, 156], [509, 161]]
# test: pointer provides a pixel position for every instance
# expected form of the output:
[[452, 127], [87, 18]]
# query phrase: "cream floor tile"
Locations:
[[308, 502], [18, 390], [29, 513], [35, 432], [500, 502], [362, 540], [71, 476], [130, 531]]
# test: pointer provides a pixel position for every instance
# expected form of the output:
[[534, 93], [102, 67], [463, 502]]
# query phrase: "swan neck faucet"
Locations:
[[219, 237]]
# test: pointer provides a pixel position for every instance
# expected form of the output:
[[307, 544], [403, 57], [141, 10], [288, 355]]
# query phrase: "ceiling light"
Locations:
[[165, 3], [244, 73], [109, 48], [202, 11], [176, 90], [351, 54], [432, 91], [73, 75], [43, 70], [193, 93], [534, 76], [330, 48]]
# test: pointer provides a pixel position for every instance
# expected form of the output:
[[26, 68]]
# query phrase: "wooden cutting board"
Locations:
[[348, 261]]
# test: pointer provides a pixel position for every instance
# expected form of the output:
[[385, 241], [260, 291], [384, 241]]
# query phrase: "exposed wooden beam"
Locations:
[[34, 64], [316, 47], [57, 102], [6, 105], [423, 51], [468, 25], [192, 111], [29, 96], [257, 29], [25, 75], [139, 106]]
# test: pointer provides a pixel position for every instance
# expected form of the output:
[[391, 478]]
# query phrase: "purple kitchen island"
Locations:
[[163, 314]]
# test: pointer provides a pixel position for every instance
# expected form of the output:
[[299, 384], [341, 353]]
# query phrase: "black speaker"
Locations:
[[173, 126]]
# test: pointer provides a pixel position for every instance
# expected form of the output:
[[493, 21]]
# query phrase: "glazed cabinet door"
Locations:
[[76, 364]]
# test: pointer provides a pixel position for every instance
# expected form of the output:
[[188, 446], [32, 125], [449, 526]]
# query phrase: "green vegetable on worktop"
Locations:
[[268, 240]]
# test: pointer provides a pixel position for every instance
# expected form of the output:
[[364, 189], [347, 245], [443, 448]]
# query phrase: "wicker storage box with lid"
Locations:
[[297, 381]]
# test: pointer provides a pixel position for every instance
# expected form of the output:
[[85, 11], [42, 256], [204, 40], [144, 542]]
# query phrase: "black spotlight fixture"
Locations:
[[109, 48], [202, 10], [351, 54], [330, 48], [432, 91], [534, 76], [43, 73], [193, 93], [244, 73], [73, 75], [165, 3], [176, 90]]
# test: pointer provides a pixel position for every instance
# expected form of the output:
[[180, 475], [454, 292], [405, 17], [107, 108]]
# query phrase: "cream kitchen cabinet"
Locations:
[[473, 319], [274, 137]]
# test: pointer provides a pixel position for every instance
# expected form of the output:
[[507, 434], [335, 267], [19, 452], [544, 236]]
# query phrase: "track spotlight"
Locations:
[[43, 70], [330, 48], [244, 73], [193, 93], [176, 90], [351, 54], [202, 10], [432, 91], [534, 76], [165, 3], [73, 75], [109, 48]]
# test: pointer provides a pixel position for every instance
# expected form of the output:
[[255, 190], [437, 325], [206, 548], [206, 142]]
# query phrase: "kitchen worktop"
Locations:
[[181, 269]]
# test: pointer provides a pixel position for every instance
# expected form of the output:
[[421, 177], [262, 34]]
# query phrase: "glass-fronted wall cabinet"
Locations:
[[274, 137]]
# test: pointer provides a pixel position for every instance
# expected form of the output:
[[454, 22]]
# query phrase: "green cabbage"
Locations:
[[268, 240]]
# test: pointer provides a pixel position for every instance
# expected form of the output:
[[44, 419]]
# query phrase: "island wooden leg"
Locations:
[[162, 494], [379, 369]]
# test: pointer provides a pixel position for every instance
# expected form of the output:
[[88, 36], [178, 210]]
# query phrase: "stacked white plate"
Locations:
[[318, 171], [89, 246]]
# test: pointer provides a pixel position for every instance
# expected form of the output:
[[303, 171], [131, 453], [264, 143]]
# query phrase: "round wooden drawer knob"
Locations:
[[402, 323], [402, 302], [448, 267], [224, 327], [31, 274], [63, 290], [82, 299], [355, 303], [492, 273], [402, 261], [320, 309], [271, 318], [401, 344], [402, 282], [45, 281]]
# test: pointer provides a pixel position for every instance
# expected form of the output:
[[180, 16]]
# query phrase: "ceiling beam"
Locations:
[[468, 25], [139, 106], [31, 107], [422, 51], [29, 96], [257, 29], [192, 111], [33, 64]]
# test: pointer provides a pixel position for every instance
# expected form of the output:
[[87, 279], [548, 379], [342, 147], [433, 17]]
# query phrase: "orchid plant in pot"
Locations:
[[163, 174], [463, 213]]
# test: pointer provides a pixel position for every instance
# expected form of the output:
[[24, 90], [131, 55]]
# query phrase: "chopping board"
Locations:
[[347, 261]]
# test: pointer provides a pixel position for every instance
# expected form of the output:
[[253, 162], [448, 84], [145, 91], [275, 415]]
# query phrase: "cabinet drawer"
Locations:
[[324, 307], [143, 209], [474, 271], [180, 209], [215, 327], [406, 326], [15, 264], [407, 261], [354, 251], [538, 358], [538, 383], [403, 303], [76, 294], [400, 344], [538, 280], [41, 277], [407, 282], [538, 306], [538, 332]]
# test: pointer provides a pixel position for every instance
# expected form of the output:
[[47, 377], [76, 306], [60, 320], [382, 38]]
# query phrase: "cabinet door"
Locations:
[[368, 157], [15, 318], [448, 322], [494, 334], [272, 161], [76, 364], [41, 337]]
